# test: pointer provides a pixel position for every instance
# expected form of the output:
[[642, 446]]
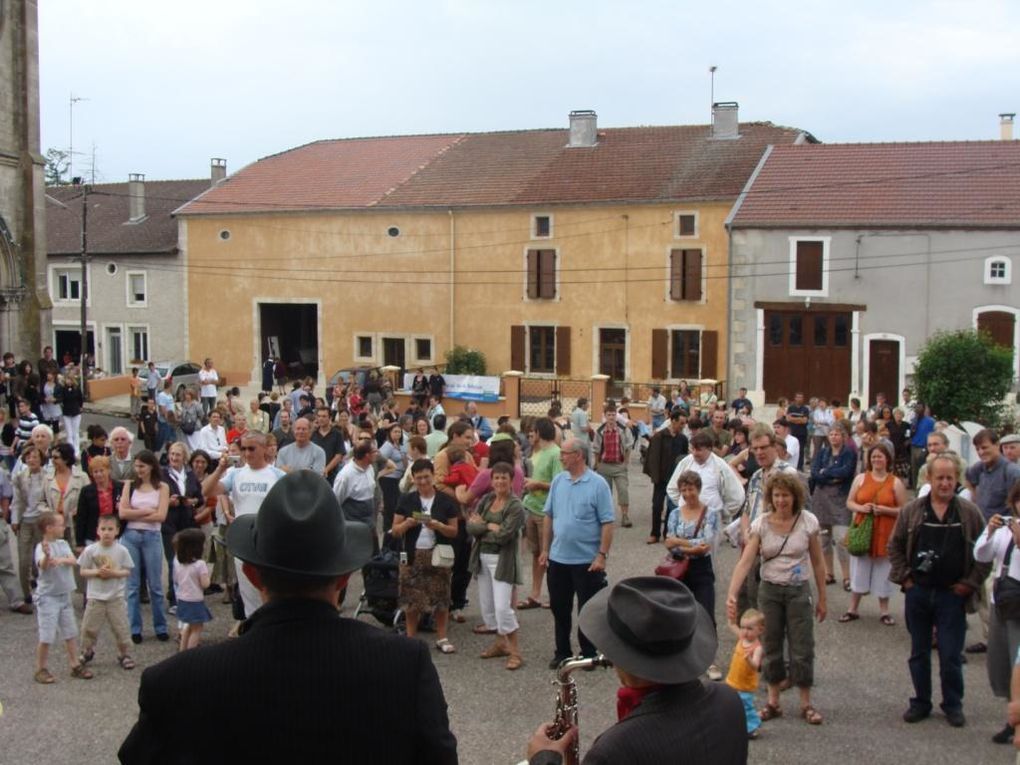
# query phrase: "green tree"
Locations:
[[464, 361], [57, 163], [964, 376]]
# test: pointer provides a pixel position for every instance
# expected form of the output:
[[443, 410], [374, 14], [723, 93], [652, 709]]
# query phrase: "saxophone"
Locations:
[[566, 701]]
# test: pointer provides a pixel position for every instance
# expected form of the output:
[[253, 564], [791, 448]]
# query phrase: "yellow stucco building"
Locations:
[[562, 252]]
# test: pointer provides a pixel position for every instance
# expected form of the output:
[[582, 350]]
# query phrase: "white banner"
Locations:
[[467, 387]]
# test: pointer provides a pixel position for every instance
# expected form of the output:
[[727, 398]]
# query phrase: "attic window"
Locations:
[[393, 231], [541, 226], [111, 269], [998, 270], [224, 235], [686, 224]]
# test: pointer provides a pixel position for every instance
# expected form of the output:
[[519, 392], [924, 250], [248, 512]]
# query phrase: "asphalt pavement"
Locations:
[[862, 685]]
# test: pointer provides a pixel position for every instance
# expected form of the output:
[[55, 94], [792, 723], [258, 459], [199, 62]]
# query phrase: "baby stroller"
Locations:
[[381, 577]]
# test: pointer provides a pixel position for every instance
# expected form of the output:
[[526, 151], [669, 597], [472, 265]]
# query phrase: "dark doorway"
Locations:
[[1000, 326], [613, 358], [883, 370], [293, 328], [394, 351], [69, 341], [807, 351]]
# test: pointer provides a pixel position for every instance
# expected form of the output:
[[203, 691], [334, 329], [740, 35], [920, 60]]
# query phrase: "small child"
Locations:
[[54, 612], [191, 577], [746, 663], [105, 565], [462, 472]]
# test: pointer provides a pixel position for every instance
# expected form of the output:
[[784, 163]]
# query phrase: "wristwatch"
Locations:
[[604, 554]]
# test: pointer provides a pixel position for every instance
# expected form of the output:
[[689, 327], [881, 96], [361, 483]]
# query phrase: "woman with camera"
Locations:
[[997, 545]]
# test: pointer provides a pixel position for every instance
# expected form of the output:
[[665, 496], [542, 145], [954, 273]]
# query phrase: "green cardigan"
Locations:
[[508, 569]]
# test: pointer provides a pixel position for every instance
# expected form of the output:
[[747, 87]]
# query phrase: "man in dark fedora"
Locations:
[[660, 642], [300, 684]]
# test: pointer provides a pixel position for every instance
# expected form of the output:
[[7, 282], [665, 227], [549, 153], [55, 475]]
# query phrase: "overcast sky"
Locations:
[[169, 85]]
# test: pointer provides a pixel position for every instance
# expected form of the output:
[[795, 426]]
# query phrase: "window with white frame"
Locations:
[[541, 226], [998, 270], [809, 266], [139, 339], [423, 350], [137, 288], [66, 285], [685, 225]]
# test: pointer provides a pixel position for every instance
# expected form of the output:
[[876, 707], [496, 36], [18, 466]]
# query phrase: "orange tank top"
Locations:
[[881, 493], [742, 676]]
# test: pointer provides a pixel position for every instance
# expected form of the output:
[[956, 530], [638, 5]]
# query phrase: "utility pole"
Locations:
[[70, 134], [83, 361], [711, 98]]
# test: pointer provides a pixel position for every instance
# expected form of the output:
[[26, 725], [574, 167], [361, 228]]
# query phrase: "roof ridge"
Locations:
[[963, 141]]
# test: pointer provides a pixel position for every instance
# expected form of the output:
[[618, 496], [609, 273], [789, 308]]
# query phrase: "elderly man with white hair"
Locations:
[[122, 464]]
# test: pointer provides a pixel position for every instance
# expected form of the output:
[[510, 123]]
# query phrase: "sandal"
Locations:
[[495, 651], [126, 662], [458, 616], [830, 579], [849, 616], [445, 646], [87, 656], [514, 662], [811, 714], [846, 585], [524, 605], [44, 676], [887, 620], [81, 672], [481, 629], [770, 712]]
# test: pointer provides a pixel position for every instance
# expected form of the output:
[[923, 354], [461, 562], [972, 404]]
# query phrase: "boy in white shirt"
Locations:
[[105, 565]]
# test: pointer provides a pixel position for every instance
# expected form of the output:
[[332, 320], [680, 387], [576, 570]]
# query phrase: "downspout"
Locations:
[[453, 264], [729, 305]]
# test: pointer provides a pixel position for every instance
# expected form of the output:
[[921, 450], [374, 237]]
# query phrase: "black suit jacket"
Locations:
[[688, 723], [301, 684]]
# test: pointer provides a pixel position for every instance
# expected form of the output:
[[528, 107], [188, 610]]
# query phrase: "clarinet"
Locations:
[[566, 701]]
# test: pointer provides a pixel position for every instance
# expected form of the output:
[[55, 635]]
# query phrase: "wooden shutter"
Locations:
[[709, 353], [517, 348], [692, 274], [809, 265], [533, 258], [660, 354], [547, 274], [676, 276], [563, 351]]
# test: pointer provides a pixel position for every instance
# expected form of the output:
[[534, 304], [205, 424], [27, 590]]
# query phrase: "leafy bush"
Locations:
[[464, 361], [964, 376]]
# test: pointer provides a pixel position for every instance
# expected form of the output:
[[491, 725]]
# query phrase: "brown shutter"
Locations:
[[709, 353], [547, 274], [692, 274], [533, 258], [809, 265], [517, 348], [676, 275], [660, 353], [563, 351]]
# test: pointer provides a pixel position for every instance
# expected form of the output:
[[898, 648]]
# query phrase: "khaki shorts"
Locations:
[[533, 532], [616, 475]]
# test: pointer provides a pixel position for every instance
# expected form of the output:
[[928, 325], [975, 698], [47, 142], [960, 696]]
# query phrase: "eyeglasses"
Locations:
[[248, 448]]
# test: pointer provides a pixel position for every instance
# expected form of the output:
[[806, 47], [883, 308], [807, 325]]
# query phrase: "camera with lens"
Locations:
[[925, 561]]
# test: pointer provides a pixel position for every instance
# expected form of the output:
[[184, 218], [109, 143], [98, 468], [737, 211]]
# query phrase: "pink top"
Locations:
[[483, 484], [188, 580], [144, 499]]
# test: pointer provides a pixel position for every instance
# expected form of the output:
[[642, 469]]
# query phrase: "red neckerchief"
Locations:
[[628, 699]]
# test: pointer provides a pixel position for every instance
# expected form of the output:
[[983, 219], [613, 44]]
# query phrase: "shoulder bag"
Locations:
[[443, 556], [1007, 590], [858, 536], [675, 565]]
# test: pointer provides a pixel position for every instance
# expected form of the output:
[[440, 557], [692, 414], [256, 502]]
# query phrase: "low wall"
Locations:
[[109, 386]]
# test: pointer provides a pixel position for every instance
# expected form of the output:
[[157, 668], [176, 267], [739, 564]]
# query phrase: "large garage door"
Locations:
[[807, 351]]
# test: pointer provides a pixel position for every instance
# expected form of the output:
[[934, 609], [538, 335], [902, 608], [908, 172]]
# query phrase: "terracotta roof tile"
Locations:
[[109, 231], [528, 167], [936, 184]]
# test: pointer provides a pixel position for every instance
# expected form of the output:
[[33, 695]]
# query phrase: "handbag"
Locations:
[[675, 565], [1006, 590], [858, 537], [443, 556]]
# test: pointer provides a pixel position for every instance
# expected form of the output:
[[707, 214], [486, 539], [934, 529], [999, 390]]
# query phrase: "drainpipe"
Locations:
[[453, 263], [729, 306]]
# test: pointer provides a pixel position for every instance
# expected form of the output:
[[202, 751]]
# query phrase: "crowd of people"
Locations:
[[458, 498]]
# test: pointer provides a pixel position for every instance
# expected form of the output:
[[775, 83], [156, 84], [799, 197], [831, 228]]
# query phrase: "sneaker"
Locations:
[[1004, 736], [976, 648], [555, 663], [915, 714], [955, 718], [714, 674], [162, 637], [136, 638]]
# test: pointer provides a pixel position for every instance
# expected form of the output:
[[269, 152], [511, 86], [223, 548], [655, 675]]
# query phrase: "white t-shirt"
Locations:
[[95, 556], [247, 488], [426, 536], [710, 489], [208, 379], [793, 447]]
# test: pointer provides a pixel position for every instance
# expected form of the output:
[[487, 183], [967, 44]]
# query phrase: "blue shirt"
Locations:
[[677, 527], [578, 508], [921, 430], [164, 402]]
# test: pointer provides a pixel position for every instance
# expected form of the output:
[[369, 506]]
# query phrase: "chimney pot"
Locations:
[[583, 128], [136, 197], [1006, 126], [218, 169], [725, 124]]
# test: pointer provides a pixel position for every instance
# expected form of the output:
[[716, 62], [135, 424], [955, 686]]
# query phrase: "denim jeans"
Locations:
[[145, 546], [943, 609], [565, 580]]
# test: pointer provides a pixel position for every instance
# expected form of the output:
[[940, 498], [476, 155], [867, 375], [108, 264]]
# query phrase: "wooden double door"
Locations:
[[808, 351]]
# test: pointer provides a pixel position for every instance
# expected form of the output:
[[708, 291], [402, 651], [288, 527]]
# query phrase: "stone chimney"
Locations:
[[1006, 126], [218, 170], [583, 128], [136, 197], [724, 120]]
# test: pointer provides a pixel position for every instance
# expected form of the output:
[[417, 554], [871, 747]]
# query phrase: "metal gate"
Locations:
[[539, 393]]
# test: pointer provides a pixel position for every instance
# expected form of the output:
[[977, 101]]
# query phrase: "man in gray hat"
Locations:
[[660, 642], [300, 684], [1010, 447]]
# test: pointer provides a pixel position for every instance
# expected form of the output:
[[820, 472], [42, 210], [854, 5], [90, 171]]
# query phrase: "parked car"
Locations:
[[183, 375]]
